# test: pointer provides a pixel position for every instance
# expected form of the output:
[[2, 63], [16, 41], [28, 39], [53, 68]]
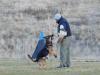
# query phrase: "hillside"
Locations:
[[22, 20]]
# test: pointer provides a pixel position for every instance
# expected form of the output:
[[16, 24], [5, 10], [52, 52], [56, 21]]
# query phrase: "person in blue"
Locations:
[[64, 33], [43, 49]]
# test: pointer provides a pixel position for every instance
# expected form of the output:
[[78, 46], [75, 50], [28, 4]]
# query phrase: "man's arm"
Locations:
[[61, 34]]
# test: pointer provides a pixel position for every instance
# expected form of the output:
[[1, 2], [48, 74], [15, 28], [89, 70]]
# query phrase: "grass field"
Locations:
[[19, 67]]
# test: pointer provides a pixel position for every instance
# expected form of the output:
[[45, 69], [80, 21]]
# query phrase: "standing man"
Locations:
[[64, 34]]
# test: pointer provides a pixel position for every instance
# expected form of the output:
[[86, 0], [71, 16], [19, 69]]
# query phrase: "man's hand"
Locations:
[[61, 36], [60, 39]]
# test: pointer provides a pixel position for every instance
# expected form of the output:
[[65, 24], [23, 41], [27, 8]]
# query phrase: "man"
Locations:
[[64, 34]]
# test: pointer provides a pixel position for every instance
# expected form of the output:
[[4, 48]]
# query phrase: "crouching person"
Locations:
[[43, 49]]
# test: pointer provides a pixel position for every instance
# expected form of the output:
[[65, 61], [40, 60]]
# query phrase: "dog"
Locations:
[[47, 50]]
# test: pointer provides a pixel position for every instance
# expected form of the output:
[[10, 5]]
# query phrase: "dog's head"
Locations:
[[49, 39]]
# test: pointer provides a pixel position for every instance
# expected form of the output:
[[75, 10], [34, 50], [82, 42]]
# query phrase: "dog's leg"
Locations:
[[55, 53], [40, 63], [52, 52], [44, 63]]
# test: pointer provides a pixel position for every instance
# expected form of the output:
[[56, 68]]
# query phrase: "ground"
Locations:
[[22, 67]]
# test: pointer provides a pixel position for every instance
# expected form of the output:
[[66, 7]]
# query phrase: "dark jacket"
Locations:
[[64, 22]]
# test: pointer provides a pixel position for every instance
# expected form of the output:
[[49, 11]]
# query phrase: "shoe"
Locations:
[[66, 65], [30, 58], [60, 66]]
